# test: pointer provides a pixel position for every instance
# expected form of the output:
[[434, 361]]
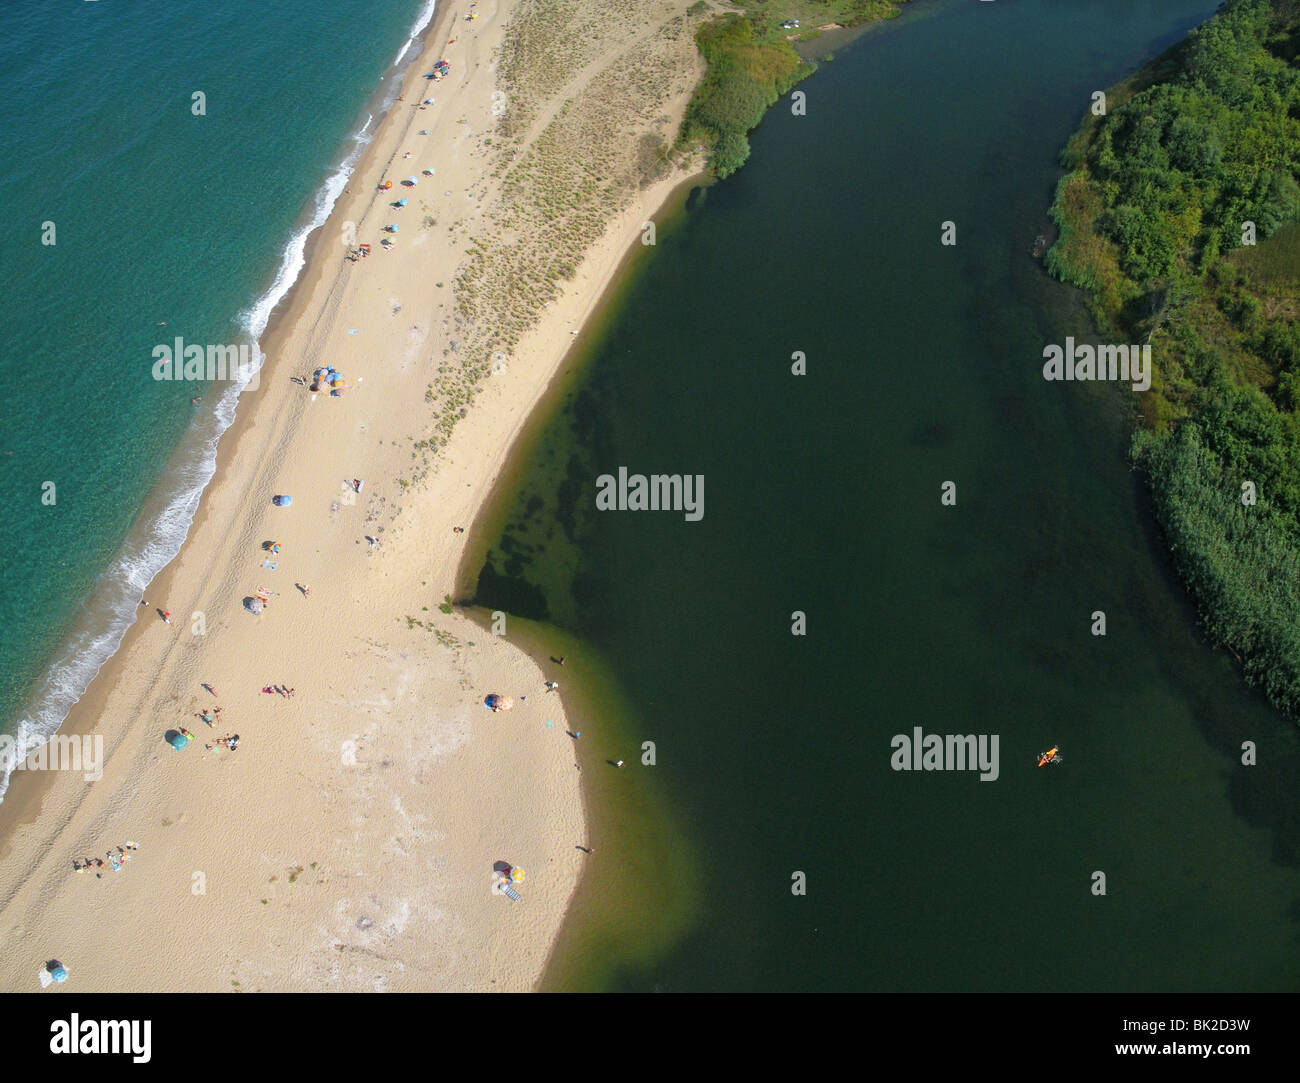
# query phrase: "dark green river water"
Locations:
[[822, 495]]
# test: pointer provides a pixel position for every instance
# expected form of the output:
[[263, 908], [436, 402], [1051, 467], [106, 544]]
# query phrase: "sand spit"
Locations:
[[349, 842]]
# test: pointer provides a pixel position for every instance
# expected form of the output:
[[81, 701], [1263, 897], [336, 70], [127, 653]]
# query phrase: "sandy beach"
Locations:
[[349, 842]]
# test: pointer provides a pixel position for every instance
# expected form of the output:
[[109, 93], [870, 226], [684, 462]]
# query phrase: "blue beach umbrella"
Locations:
[[282, 501], [178, 741]]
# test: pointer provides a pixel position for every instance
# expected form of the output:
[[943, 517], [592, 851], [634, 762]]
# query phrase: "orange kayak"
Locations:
[[1052, 755]]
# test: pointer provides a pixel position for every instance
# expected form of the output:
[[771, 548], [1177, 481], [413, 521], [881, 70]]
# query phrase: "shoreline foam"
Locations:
[[167, 515], [295, 805]]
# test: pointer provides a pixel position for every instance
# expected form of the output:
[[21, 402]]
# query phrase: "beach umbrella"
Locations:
[[282, 501], [53, 971], [178, 741], [254, 605], [412, 181], [402, 202], [495, 702], [392, 229]]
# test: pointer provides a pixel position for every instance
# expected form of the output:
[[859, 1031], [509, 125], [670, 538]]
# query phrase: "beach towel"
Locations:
[[510, 893]]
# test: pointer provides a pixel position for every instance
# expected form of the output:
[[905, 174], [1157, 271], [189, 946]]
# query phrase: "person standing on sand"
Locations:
[[167, 616], [551, 686]]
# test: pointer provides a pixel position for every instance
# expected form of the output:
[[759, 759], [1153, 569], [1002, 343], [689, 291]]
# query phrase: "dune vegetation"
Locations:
[[752, 62]]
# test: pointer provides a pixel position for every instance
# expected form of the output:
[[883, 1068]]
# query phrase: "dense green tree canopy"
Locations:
[[1201, 148]]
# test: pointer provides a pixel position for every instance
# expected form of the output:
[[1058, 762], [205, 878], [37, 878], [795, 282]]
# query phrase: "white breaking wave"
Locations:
[[421, 21], [125, 581]]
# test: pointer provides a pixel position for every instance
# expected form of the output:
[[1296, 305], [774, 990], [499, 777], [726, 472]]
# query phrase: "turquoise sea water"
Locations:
[[822, 495], [159, 216]]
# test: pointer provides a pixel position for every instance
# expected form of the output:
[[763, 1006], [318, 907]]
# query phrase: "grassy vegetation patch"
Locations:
[[752, 63], [1181, 215]]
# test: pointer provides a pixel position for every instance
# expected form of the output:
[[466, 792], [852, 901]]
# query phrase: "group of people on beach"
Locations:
[[117, 857], [230, 741], [210, 715], [277, 689]]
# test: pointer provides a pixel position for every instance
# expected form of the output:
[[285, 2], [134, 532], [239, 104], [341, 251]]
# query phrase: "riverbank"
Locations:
[[824, 496], [1204, 275], [349, 842]]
